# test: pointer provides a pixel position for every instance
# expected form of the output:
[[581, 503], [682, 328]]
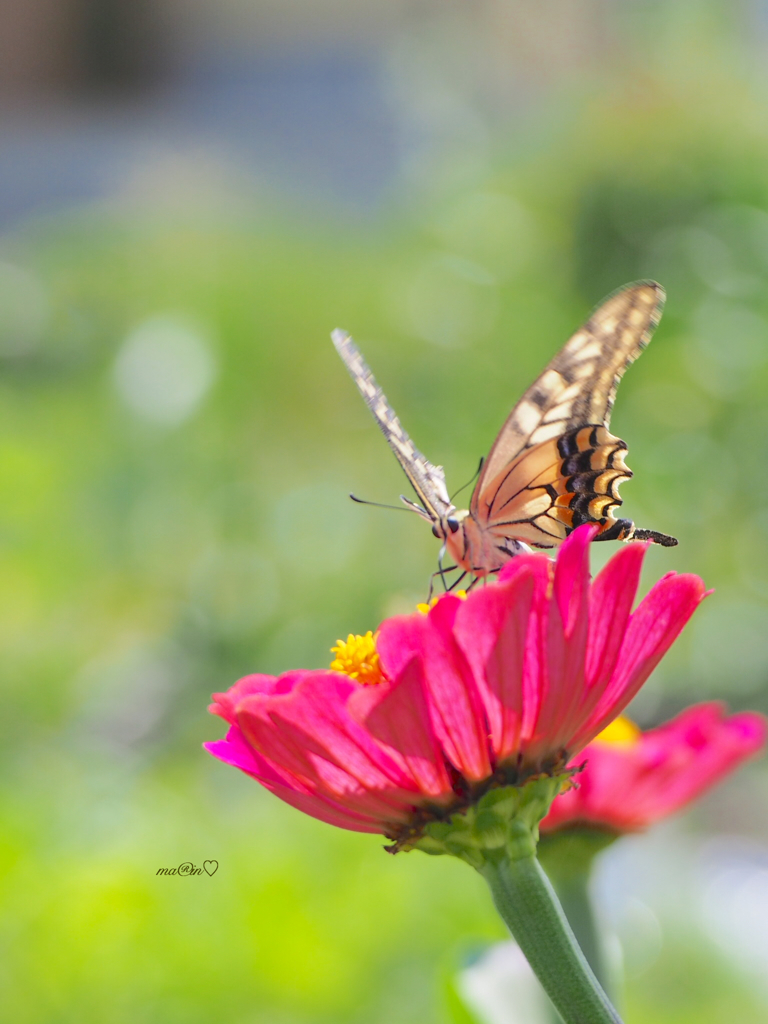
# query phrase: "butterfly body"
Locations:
[[477, 550], [554, 465]]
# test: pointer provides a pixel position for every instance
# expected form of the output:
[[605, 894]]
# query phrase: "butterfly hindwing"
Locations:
[[557, 485], [426, 479]]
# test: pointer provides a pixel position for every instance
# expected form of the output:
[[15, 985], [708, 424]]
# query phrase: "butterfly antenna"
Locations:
[[472, 479], [378, 504]]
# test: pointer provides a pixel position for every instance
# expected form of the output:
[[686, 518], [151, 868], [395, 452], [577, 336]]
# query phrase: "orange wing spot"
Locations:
[[600, 457], [583, 438], [563, 515]]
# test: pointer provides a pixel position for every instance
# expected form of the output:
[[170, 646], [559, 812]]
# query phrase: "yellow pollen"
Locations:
[[424, 608], [358, 658], [622, 732]]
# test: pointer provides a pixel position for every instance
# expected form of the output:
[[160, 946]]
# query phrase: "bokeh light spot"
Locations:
[[164, 370]]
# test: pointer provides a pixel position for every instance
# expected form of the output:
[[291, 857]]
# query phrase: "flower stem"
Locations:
[[574, 899], [573, 893], [527, 902], [567, 857]]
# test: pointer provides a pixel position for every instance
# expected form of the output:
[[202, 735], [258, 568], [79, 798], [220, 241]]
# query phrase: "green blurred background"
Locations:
[[191, 198]]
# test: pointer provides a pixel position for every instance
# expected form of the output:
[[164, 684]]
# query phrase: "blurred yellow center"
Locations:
[[357, 658], [622, 732], [424, 608]]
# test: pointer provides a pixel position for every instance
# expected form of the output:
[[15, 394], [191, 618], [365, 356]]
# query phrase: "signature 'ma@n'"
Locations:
[[210, 867]]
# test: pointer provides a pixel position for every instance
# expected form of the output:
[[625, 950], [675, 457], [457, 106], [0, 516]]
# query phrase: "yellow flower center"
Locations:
[[357, 658], [424, 608], [622, 732]]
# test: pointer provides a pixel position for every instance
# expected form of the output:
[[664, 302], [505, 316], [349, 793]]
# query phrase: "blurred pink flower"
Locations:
[[634, 779], [480, 692]]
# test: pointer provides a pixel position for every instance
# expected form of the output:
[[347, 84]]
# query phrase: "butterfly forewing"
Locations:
[[579, 385], [426, 479]]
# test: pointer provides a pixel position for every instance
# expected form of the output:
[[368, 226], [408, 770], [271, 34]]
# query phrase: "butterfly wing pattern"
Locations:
[[427, 480], [554, 465]]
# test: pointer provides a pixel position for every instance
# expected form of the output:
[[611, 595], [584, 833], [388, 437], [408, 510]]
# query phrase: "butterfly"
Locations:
[[554, 465]]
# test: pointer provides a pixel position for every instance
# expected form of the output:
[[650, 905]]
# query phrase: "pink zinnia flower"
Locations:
[[634, 779], [486, 691]]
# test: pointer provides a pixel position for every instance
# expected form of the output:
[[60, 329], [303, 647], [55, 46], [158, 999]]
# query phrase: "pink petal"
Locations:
[[323, 810], [601, 796], [571, 584], [235, 751], [397, 716], [750, 730], [629, 788], [705, 746], [610, 603], [567, 627], [311, 734], [611, 599], [225, 704], [456, 709], [653, 628], [536, 670], [522, 564], [492, 628], [399, 640]]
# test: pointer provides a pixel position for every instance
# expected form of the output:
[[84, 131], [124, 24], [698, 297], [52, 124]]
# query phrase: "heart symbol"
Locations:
[[211, 866]]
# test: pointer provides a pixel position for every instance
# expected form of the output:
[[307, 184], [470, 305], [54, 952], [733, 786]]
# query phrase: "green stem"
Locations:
[[567, 857], [497, 835], [573, 893], [527, 902], [574, 898]]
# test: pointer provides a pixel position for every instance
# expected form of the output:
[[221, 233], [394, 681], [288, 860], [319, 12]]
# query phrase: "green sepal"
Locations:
[[504, 823]]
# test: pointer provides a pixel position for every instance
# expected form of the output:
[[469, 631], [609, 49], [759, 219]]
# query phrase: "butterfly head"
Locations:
[[446, 526]]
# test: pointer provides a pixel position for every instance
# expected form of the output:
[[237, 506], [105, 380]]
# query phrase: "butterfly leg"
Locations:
[[485, 579], [457, 581], [441, 573]]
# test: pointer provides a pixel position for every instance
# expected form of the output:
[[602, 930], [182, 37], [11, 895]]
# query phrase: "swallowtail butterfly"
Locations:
[[554, 465]]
